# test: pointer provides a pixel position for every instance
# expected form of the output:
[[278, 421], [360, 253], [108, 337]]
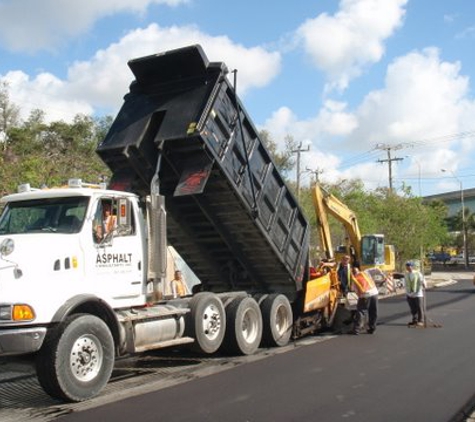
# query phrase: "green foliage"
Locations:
[[49, 154], [283, 160], [406, 222], [9, 115]]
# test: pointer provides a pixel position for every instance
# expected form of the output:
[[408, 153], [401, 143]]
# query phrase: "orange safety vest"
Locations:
[[362, 283]]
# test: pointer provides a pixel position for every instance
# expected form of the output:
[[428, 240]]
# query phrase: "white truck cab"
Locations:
[[54, 247]]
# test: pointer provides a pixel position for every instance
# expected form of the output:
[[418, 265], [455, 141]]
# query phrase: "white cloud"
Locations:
[[31, 25], [333, 120], [343, 44], [101, 75], [468, 32], [424, 104], [101, 82], [424, 97], [45, 92], [424, 107], [325, 163]]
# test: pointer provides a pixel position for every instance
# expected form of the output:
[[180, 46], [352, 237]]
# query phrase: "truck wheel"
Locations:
[[277, 317], [244, 326], [206, 322], [77, 358]]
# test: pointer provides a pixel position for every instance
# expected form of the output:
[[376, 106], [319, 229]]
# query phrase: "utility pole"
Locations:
[[389, 160], [298, 151], [464, 221], [317, 172]]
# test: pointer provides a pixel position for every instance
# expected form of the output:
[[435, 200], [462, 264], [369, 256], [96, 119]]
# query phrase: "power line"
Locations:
[[367, 155], [359, 158], [443, 138]]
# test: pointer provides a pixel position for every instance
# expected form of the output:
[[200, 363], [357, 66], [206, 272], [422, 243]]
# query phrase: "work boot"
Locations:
[[412, 324], [419, 324]]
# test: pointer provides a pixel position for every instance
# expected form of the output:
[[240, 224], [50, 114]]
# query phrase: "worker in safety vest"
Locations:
[[178, 286], [415, 286], [367, 305], [343, 271]]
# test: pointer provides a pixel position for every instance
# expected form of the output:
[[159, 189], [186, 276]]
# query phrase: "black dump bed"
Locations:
[[234, 236]]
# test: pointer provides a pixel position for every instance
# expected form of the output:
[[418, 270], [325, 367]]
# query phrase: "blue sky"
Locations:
[[352, 79]]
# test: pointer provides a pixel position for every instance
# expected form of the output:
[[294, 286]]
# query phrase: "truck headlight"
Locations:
[[5, 313], [7, 247]]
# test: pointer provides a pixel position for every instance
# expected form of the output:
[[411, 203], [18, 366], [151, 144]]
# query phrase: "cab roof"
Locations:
[[61, 193]]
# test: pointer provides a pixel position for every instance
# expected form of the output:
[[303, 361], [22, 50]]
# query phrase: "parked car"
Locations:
[[460, 260], [442, 257]]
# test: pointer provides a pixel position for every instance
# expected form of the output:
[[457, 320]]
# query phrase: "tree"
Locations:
[[456, 226], [9, 115], [405, 221], [283, 160], [50, 154]]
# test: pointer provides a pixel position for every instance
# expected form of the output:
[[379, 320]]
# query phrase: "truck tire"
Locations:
[[244, 326], [206, 322], [77, 358], [277, 320]]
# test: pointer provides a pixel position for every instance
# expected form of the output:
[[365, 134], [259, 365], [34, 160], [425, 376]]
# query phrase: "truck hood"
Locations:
[[34, 259]]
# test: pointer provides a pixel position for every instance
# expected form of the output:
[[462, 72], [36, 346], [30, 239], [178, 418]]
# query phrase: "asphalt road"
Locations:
[[397, 374]]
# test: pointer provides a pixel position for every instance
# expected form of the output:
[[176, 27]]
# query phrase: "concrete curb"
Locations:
[[444, 283]]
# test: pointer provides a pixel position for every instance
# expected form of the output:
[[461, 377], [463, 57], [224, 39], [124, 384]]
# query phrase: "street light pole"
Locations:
[[464, 223], [464, 228], [419, 179]]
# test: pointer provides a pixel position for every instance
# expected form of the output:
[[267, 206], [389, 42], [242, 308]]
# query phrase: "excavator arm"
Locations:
[[367, 250], [327, 204]]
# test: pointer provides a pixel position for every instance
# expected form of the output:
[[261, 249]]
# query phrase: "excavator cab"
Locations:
[[372, 250]]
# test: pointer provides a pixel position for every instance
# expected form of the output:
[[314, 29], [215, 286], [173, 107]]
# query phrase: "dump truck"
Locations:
[[79, 290]]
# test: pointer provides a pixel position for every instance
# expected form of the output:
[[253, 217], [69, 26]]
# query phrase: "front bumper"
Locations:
[[20, 341]]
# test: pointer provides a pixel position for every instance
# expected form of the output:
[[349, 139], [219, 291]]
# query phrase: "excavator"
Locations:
[[366, 251]]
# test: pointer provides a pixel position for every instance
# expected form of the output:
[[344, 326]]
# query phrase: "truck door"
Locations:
[[118, 252]]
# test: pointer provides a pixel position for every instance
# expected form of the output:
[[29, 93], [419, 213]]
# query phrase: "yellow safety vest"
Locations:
[[348, 272], [412, 282], [177, 287]]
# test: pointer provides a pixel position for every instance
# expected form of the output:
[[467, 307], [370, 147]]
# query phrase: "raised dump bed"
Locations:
[[234, 235]]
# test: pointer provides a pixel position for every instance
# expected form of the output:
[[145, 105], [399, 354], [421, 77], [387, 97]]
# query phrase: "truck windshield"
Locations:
[[55, 215]]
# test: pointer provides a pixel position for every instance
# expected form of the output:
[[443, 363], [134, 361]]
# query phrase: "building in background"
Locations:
[[453, 200]]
